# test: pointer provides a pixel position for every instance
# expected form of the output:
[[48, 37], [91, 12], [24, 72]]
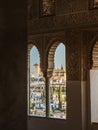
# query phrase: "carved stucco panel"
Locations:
[[73, 56]]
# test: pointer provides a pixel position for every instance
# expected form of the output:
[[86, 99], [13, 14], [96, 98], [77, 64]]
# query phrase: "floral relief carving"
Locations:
[[57, 22], [73, 66], [47, 7], [73, 56], [91, 40]]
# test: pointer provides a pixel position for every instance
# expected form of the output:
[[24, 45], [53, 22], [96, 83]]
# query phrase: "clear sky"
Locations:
[[34, 57], [59, 57]]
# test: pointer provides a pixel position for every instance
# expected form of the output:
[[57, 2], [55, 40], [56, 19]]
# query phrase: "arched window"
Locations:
[[94, 84], [37, 103], [47, 98], [57, 81]]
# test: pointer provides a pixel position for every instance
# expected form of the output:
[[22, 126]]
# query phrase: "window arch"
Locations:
[[94, 84], [51, 58], [36, 83], [47, 96], [57, 81]]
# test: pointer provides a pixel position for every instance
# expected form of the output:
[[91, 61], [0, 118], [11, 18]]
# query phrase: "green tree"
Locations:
[[60, 97]]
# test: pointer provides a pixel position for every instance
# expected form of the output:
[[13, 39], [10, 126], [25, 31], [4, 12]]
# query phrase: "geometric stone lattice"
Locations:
[[95, 56]]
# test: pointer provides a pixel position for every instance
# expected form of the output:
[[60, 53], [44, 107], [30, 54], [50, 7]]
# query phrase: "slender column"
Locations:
[[28, 79]]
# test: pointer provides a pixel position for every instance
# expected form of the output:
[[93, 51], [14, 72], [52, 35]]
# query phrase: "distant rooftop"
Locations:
[[36, 64]]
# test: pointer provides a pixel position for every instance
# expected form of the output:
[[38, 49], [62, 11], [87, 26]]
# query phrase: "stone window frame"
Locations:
[[91, 48], [47, 74], [30, 45], [50, 66]]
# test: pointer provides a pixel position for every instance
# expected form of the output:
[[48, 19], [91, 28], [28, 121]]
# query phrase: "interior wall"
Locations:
[[68, 14], [78, 45], [13, 56], [73, 53], [13, 87], [13, 99]]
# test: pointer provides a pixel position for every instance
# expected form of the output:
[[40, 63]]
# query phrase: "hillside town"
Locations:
[[57, 92]]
